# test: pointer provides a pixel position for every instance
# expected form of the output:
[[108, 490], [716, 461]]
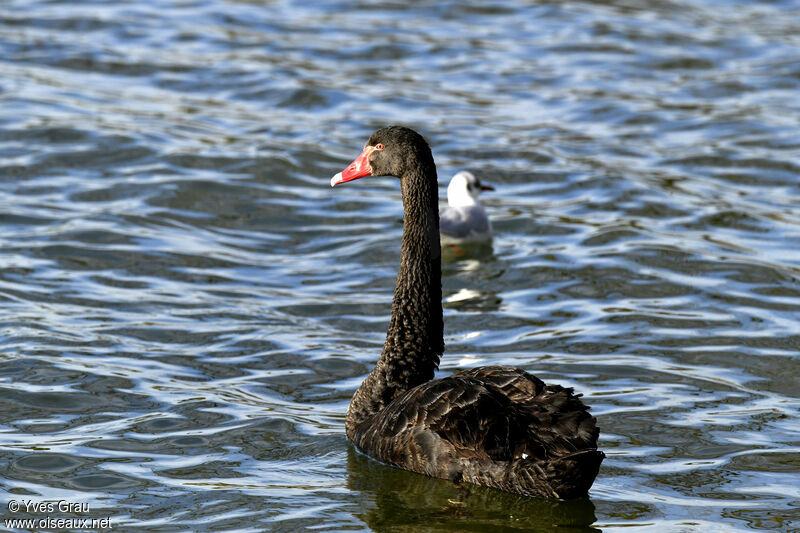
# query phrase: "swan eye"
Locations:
[[379, 146]]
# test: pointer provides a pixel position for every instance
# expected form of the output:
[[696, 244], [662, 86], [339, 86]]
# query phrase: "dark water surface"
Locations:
[[186, 305]]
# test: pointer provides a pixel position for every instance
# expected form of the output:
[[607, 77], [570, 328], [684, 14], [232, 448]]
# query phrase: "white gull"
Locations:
[[463, 218]]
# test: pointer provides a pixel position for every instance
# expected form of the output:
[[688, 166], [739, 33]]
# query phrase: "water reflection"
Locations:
[[395, 499], [469, 300], [455, 252]]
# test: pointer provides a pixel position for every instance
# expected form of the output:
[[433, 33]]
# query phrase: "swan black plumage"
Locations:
[[495, 426]]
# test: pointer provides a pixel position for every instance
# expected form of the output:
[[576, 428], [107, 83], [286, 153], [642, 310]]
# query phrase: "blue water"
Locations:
[[186, 306]]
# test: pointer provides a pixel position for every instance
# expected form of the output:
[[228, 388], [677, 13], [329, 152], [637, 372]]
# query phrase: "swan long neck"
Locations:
[[414, 342]]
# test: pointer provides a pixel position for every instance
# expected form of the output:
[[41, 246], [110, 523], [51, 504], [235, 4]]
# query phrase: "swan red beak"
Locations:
[[357, 169], [487, 188]]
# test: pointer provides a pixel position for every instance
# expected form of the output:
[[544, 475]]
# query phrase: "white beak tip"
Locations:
[[336, 179]]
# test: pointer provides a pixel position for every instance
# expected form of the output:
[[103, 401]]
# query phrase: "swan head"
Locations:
[[391, 151], [464, 189]]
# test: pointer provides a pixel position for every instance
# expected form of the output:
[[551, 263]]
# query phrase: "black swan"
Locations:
[[495, 426]]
